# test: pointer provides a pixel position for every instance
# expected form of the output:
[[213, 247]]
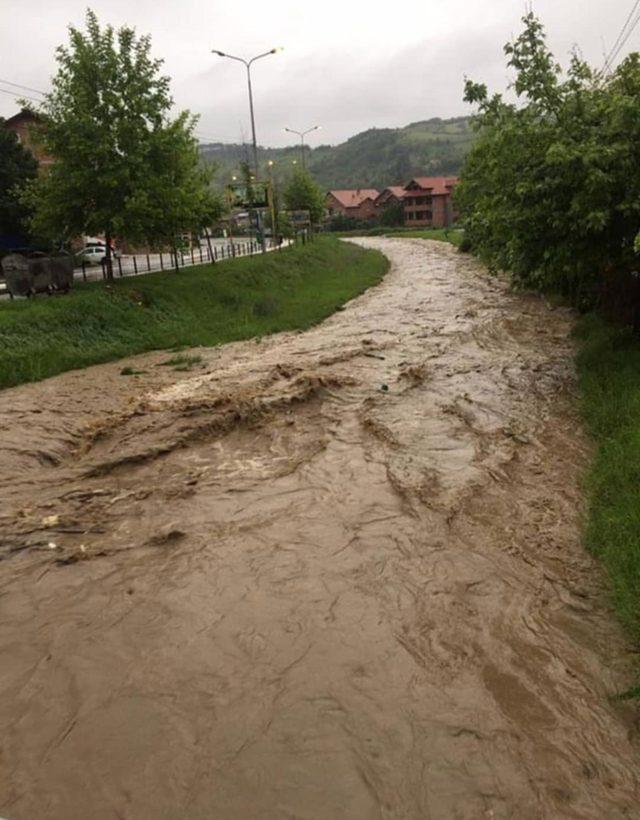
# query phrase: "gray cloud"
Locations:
[[346, 65]]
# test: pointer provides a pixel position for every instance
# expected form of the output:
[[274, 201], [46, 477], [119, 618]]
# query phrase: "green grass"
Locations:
[[182, 362], [609, 373], [205, 305], [452, 235]]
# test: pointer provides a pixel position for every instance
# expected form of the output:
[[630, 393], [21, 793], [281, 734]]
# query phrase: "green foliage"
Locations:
[[340, 222], [17, 167], [122, 166], [204, 305], [372, 159], [609, 372], [551, 191], [302, 194], [392, 215]]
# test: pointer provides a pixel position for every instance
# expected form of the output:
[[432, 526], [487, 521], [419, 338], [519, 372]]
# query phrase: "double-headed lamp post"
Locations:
[[302, 135], [248, 64]]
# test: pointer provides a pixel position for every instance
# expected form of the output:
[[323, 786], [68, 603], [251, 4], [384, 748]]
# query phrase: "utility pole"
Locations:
[[302, 135], [272, 205]]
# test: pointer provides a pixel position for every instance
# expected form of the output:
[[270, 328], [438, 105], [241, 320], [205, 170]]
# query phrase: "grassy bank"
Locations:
[[206, 305], [609, 373], [452, 235]]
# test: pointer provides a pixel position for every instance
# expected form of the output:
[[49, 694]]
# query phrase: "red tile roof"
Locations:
[[396, 190], [25, 114], [352, 199], [436, 185]]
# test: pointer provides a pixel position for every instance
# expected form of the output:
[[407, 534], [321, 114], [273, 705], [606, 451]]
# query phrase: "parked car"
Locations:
[[94, 253]]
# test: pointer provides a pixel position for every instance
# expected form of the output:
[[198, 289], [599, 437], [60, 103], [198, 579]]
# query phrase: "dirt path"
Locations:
[[334, 574]]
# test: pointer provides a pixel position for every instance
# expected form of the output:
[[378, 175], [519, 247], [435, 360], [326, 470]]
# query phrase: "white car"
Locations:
[[94, 254]]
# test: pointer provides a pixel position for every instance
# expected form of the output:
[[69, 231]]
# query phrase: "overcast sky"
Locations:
[[347, 65]]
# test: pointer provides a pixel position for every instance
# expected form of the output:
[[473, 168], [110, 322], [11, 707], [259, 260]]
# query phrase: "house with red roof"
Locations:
[[393, 195], [24, 125], [428, 202], [354, 204]]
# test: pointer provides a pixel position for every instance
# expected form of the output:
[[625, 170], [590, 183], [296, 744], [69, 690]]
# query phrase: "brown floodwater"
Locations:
[[331, 574]]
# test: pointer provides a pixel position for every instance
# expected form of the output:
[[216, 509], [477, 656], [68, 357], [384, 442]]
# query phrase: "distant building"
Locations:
[[355, 204], [393, 195], [428, 203], [23, 125]]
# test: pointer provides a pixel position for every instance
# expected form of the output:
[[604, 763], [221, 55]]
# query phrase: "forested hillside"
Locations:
[[374, 158]]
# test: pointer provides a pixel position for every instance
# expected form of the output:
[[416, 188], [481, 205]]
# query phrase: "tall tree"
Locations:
[[17, 167], [551, 190], [302, 194], [122, 166]]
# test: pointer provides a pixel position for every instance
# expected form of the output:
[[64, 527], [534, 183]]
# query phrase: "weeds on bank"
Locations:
[[609, 373], [182, 362]]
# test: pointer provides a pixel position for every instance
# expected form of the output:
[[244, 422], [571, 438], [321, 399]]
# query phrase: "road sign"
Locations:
[[243, 196], [300, 219]]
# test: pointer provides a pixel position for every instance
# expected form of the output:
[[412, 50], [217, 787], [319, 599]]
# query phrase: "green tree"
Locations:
[[122, 166], [177, 197], [302, 194], [392, 215], [17, 167], [550, 191]]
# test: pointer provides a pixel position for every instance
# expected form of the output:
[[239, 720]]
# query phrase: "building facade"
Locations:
[[428, 202], [24, 125], [354, 204], [393, 195]]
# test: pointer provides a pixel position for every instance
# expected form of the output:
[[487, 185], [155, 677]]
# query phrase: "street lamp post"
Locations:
[[302, 135], [248, 64]]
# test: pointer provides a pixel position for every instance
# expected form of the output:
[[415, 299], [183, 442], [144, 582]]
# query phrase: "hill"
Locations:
[[372, 159]]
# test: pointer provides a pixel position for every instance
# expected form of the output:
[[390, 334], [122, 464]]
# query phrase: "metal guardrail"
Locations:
[[140, 264]]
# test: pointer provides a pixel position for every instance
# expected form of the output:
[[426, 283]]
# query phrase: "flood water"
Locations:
[[327, 575]]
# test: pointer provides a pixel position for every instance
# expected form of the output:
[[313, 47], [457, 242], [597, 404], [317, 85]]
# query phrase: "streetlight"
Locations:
[[248, 64], [302, 135]]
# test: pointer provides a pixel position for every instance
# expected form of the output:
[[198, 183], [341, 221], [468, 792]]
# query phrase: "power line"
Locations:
[[618, 45], [628, 35], [27, 87], [16, 96]]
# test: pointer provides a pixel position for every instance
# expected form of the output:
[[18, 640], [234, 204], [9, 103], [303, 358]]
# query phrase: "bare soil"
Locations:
[[331, 574]]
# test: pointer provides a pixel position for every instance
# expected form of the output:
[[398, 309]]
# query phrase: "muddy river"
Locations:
[[331, 575]]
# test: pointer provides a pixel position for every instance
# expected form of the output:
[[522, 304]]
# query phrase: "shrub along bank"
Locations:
[[205, 305]]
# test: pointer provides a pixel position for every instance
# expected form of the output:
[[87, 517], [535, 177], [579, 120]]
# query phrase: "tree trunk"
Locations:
[[109, 261]]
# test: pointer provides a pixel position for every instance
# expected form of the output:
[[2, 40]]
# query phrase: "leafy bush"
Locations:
[[551, 190]]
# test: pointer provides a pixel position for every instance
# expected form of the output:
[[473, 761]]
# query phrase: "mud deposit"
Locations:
[[333, 574]]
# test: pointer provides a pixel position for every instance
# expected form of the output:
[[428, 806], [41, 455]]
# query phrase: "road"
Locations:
[[331, 574]]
